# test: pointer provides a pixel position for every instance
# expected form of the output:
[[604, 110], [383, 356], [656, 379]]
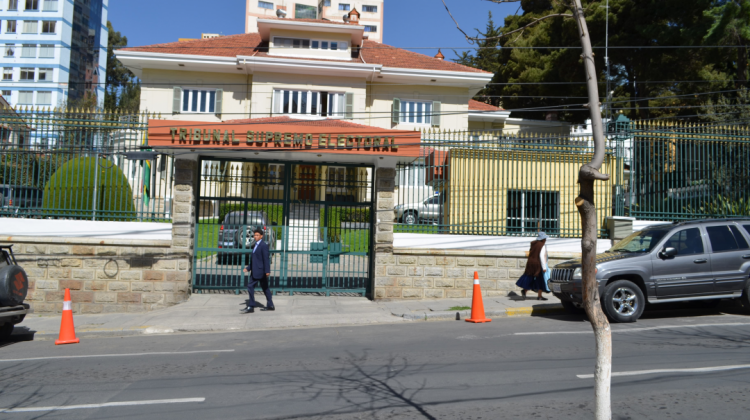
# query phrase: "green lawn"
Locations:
[[356, 240], [207, 236], [402, 228]]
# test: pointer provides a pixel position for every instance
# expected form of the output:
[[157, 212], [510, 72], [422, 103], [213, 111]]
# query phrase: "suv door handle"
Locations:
[[746, 257], [700, 261]]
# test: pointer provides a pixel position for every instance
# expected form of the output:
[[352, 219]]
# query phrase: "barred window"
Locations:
[[531, 211], [199, 100], [416, 112]]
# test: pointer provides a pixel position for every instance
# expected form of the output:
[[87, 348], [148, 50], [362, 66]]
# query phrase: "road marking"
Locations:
[[117, 355], [628, 330], [688, 370], [103, 405]]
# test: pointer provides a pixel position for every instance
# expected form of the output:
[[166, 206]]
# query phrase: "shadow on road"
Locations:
[[20, 334]]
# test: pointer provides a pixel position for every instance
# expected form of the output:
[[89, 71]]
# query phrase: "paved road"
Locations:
[[511, 368]]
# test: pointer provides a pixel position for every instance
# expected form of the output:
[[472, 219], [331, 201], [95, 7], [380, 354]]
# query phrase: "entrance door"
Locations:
[[307, 182], [316, 246], [689, 272]]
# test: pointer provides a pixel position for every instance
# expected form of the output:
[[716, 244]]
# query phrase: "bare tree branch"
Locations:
[[471, 39]]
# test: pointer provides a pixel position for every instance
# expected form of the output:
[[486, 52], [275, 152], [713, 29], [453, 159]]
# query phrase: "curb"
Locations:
[[553, 309]]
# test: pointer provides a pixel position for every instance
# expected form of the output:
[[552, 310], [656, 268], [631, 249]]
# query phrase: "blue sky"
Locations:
[[419, 24]]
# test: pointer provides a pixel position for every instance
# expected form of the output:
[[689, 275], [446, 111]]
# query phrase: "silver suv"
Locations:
[[236, 232], [701, 260], [429, 210]]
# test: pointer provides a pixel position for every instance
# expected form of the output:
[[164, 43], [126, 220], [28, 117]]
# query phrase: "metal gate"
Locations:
[[317, 221]]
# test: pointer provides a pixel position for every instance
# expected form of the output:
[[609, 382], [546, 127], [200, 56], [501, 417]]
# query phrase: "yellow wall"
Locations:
[[480, 181]]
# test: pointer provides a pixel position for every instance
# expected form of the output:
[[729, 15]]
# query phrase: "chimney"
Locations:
[[281, 12], [439, 55], [354, 16]]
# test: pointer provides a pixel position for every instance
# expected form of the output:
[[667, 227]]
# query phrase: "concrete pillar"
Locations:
[[183, 219], [385, 184]]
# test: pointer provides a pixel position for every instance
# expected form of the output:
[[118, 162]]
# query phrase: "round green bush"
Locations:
[[70, 191]]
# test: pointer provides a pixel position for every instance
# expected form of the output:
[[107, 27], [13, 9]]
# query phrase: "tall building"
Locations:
[[371, 13], [53, 51]]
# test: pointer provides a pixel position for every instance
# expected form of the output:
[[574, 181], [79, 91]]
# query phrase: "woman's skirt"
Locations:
[[534, 283]]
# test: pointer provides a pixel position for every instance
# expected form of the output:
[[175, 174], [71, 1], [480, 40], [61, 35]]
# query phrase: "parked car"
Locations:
[[429, 210], [15, 197], [13, 288], [235, 234], [700, 260]]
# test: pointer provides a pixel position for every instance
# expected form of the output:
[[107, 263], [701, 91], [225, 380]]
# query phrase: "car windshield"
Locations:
[[641, 241], [238, 219]]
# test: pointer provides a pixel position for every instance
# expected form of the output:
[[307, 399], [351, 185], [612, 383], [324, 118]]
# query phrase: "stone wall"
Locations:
[[111, 275], [438, 274]]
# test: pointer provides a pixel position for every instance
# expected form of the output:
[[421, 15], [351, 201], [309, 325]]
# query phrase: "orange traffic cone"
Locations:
[[477, 306], [67, 330]]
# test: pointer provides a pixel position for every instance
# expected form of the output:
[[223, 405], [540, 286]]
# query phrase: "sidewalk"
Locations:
[[220, 312]]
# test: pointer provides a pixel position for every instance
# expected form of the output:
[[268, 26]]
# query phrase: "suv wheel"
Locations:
[[623, 301], [745, 299], [6, 330], [410, 218]]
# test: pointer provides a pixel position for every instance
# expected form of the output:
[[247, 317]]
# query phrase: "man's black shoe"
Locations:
[[248, 311], [268, 309]]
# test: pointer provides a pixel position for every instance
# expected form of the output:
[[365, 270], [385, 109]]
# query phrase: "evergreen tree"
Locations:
[[123, 87]]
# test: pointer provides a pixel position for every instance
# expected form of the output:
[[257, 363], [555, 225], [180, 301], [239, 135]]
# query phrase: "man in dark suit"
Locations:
[[260, 271]]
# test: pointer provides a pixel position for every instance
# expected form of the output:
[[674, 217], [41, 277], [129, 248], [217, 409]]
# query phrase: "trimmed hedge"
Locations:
[[70, 191], [274, 211], [337, 215]]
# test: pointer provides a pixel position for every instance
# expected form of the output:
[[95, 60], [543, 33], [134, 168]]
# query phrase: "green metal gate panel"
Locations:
[[317, 221]]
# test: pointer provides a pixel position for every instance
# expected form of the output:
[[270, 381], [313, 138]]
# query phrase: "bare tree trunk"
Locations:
[[585, 203]]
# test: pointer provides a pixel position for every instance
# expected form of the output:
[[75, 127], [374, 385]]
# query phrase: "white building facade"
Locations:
[[53, 51], [370, 11]]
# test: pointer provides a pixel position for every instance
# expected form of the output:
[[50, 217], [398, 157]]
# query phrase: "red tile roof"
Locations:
[[481, 106], [252, 45], [302, 123]]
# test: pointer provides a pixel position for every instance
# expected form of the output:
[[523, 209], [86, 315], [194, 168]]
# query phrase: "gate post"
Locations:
[[385, 184], [183, 221]]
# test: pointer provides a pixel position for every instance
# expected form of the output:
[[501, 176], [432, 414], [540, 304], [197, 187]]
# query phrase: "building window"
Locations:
[[32, 5], [326, 3], [7, 74], [199, 100], [48, 26], [44, 98], [12, 4], [276, 173], [344, 6], [30, 26], [10, 27], [415, 112], [531, 211], [50, 5], [371, 28], [291, 43], [27, 74], [26, 97], [336, 176], [370, 9], [265, 5], [10, 50], [45, 75], [302, 11], [6, 94], [28, 51], [47, 51], [322, 104]]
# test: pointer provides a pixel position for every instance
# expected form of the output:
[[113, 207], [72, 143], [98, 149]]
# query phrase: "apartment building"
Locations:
[[370, 13], [53, 51]]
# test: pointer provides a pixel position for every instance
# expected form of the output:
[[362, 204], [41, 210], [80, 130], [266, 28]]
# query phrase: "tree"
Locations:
[[731, 26], [123, 87], [487, 57], [587, 175]]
